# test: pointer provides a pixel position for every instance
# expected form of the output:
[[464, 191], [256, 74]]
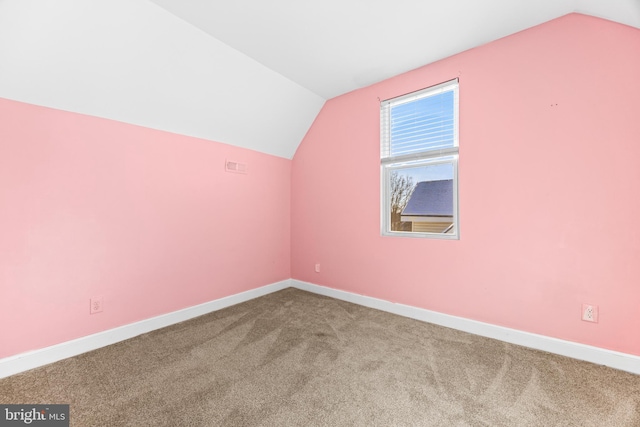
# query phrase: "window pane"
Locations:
[[419, 163], [423, 124], [422, 198]]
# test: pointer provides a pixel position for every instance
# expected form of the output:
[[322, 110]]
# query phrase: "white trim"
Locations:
[[436, 89], [600, 356], [425, 218], [23, 362]]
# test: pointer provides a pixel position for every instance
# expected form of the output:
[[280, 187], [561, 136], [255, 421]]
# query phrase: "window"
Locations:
[[419, 163]]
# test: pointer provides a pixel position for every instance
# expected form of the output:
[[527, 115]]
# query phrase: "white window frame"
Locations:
[[428, 157]]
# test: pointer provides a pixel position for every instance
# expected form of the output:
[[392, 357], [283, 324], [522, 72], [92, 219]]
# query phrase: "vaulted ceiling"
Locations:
[[251, 73]]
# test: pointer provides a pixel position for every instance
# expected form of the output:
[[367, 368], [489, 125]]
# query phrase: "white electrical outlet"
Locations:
[[96, 305], [590, 313]]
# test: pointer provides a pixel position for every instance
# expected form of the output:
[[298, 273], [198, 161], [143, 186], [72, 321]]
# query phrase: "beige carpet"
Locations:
[[293, 358]]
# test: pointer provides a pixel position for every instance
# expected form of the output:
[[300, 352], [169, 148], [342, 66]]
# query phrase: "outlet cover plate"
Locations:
[[96, 305], [590, 313]]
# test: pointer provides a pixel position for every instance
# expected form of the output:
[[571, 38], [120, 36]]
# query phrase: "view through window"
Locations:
[[419, 160]]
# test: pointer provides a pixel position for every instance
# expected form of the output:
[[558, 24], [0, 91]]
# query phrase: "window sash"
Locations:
[[385, 175], [435, 142]]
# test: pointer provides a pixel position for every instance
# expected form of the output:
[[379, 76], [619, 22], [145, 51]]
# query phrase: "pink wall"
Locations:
[[147, 219], [549, 185], [151, 221]]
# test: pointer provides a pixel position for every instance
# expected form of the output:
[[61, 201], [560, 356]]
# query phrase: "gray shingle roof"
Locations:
[[431, 198]]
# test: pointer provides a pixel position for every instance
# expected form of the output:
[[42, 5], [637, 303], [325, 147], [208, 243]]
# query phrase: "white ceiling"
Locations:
[[335, 46], [251, 73]]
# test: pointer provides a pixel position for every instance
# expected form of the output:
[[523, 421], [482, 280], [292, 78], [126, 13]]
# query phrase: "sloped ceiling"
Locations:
[[252, 73], [335, 46]]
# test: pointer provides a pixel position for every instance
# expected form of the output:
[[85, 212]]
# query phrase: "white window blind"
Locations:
[[419, 122]]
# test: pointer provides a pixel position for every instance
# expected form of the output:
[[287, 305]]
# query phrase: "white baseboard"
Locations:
[[23, 362], [600, 356]]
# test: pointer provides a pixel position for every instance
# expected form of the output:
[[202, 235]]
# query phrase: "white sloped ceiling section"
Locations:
[[132, 61], [336, 46]]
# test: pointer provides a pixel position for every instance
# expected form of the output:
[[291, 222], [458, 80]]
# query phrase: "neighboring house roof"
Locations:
[[431, 198]]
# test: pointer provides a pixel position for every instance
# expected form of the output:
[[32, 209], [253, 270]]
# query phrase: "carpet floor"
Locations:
[[293, 358]]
